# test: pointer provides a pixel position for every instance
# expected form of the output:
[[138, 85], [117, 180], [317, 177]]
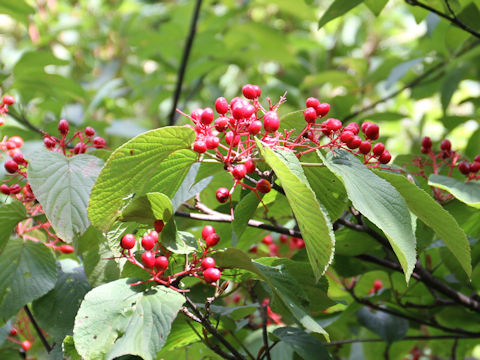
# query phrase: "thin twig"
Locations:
[[263, 311], [22, 119], [183, 65], [37, 329]]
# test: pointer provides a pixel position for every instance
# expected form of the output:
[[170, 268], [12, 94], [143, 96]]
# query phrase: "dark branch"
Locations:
[[37, 329], [263, 311], [21, 118], [406, 338], [183, 64]]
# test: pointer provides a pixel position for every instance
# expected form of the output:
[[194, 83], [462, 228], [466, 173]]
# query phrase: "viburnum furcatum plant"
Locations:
[[245, 234]]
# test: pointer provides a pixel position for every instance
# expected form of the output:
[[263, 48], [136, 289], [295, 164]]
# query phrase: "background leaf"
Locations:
[[390, 328], [469, 192], [304, 344], [10, 215], [336, 9]]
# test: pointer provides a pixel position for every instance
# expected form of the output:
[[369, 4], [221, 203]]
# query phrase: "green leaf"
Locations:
[[469, 192], [242, 213], [400, 70], [311, 216], [178, 242], [379, 201], [10, 215], [29, 273], [62, 186], [435, 216], [189, 188], [304, 344], [68, 347], [376, 6], [156, 161], [147, 208], [19, 10], [56, 310], [336, 9], [279, 280], [390, 328], [117, 319], [450, 84]]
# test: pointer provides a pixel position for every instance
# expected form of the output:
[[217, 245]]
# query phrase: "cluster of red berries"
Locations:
[[376, 287], [21, 330], [85, 138], [231, 136], [155, 259], [16, 164], [6, 102], [274, 249]]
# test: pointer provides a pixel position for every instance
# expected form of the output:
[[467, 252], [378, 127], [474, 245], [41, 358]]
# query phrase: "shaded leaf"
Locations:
[[336, 9], [304, 344], [390, 328], [467, 192], [10, 215]]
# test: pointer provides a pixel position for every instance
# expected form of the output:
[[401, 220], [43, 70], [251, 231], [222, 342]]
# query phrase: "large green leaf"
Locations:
[[10, 215], [379, 201], [27, 272], [116, 319], [62, 186], [311, 216], [242, 213], [336, 9], [56, 310], [147, 208], [304, 344], [18, 10], [279, 280], [390, 328], [156, 161], [469, 192], [435, 216]]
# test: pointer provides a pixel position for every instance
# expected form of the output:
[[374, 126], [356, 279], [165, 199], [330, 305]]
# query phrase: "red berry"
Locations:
[[18, 158], [310, 115], [236, 298], [353, 127], [221, 105], [475, 166], [424, 150], [148, 259], [446, 145], [211, 275], [195, 115], [66, 249], [346, 136], [15, 189], [49, 143], [378, 149], [253, 249], [11, 166], [242, 110], [212, 142], [207, 116], [80, 148], [355, 142], [377, 285], [235, 100], [63, 127], [231, 140], [271, 122], [283, 238], [365, 125], [426, 142], [207, 231], [221, 124], [212, 240], [299, 243], [385, 157], [154, 235], [158, 225], [258, 90], [372, 132], [365, 147], [148, 242], [267, 239], [199, 146], [222, 195], [89, 131], [263, 186], [250, 165], [255, 127], [273, 250], [11, 145], [13, 331], [464, 167], [128, 241], [477, 158], [8, 100], [207, 263], [249, 91], [331, 125], [99, 142], [4, 188], [312, 102], [239, 171], [322, 109], [26, 345], [161, 263]]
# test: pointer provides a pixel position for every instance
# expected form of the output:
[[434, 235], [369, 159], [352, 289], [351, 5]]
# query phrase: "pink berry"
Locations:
[[271, 122], [464, 167], [63, 127], [15, 189], [11, 166], [385, 157], [346, 136], [99, 142], [283, 238], [242, 110], [258, 90], [299, 243], [322, 109], [158, 225], [26, 345], [89, 131], [267, 239], [310, 115], [263, 186], [207, 231], [211, 275], [273, 250], [207, 263], [128, 241], [148, 259], [331, 125], [199, 146], [80, 148], [352, 127], [446, 145], [66, 249], [212, 142], [195, 115], [249, 92], [207, 116], [161, 263], [212, 240], [355, 142], [222, 195], [232, 140], [378, 149], [365, 147], [426, 142], [377, 285], [255, 127], [49, 143], [8, 100], [312, 102], [18, 158], [372, 132], [148, 242], [221, 105], [365, 125], [5, 189], [221, 124], [239, 171], [250, 165], [11, 145]]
